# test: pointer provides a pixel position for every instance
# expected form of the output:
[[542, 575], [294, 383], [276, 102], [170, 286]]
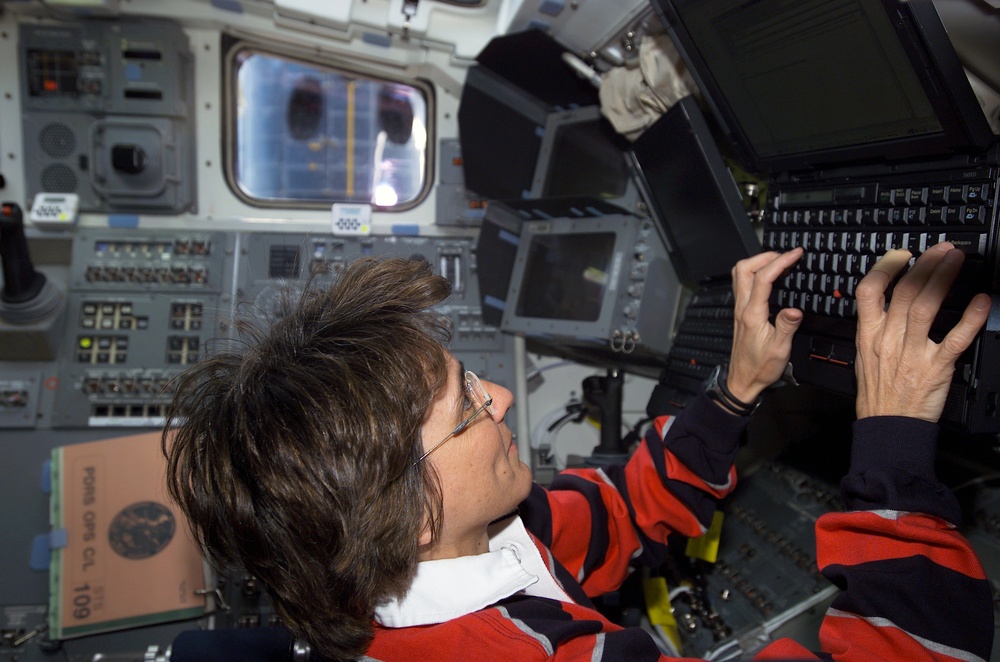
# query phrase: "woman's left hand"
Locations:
[[760, 349]]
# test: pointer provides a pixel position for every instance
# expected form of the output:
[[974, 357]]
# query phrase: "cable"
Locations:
[[978, 480], [716, 655], [584, 70], [664, 642], [538, 371], [543, 428], [544, 434]]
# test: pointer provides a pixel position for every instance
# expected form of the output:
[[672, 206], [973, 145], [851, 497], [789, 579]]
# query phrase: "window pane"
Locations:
[[309, 133]]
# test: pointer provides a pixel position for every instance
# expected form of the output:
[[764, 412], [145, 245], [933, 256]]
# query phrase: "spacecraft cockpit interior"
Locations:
[[585, 174]]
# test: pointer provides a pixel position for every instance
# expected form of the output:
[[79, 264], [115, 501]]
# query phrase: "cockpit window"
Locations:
[[305, 134]]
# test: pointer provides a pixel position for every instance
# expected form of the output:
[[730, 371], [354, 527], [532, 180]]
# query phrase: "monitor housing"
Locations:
[[598, 288], [531, 128], [799, 85]]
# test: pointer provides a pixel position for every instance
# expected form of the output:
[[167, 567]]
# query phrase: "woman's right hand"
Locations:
[[900, 370]]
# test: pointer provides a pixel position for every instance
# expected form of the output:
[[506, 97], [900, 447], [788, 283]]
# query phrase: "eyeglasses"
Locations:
[[478, 398]]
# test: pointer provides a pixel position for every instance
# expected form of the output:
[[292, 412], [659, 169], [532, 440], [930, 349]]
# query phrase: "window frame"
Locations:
[[231, 49]]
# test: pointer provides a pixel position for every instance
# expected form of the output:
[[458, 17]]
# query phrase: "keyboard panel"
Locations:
[[704, 340], [845, 226]]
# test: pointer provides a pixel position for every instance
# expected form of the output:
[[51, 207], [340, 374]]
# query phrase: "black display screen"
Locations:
[[587, 159], [802, 83], [693, 195], [567, 276], [799, 73]]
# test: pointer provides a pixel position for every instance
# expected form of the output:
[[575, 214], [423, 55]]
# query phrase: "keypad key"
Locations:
[[973, 215], [978, 193], [917, 196], [972, 244]]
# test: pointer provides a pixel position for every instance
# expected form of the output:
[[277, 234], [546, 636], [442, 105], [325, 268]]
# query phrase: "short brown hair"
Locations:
[[293, 454]]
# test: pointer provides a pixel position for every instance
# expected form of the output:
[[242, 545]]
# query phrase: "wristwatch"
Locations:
[[717, 390]]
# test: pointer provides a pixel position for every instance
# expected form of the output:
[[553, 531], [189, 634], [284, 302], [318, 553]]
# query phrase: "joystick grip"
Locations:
[[21, 283]]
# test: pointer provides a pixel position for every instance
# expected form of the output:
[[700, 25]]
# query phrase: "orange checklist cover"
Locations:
[[127, 558]]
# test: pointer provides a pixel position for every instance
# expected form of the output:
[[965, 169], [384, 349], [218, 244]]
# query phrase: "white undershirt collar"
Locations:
[[448, 588]]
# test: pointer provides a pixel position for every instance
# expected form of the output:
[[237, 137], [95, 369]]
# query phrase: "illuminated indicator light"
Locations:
[[86, 343], [51, 86]]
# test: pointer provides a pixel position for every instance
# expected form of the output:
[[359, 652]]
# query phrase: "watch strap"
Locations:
[[718, 390]]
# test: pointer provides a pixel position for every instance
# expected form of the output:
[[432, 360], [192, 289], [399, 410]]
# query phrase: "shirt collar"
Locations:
[[448, 588]]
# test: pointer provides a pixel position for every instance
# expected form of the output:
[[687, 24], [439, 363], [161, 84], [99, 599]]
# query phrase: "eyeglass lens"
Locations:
[[479, 395]]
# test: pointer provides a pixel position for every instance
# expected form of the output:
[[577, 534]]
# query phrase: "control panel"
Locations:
[[140, 307], [765, 577], [107, 114], [135, 308]]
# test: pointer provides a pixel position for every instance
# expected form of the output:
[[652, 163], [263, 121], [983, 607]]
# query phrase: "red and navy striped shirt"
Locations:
[[895, 554]]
